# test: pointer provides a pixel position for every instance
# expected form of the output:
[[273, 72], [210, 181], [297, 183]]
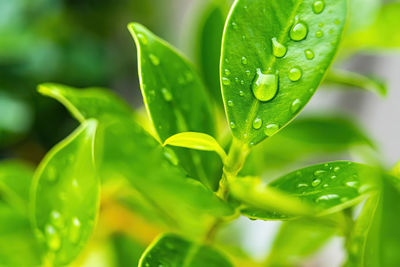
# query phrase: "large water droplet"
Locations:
[[278, 49], [271, 129], [241, 93], [309, 54], [53, 239], [226, 81], [318, 6], [166, 94], [327, 197], [257, 123], [265, 86], [296, 105], [75, 230], [244, 60], [315, 182], [295, 74], [154, 59], [298, 31]]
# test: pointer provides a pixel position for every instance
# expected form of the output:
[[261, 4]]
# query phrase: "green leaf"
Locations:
[[297, 240], [197, 141], [172, 250], [362, 14], [175, 98], [355, 80], [381, 35], [327, 188], [65, 196], [269, 57], [374, 240], [15, 183], [310, 137]]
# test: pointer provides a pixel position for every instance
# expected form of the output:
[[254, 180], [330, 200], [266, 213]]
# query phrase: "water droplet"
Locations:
[[296, 105], [248, 72], [325, 185], [327, 197], [244, 61], [352, 184], [298, 31], [56, 219], [265, 86], [257, 123], [278, 49], [226, 81], [315, 182], [242, 82], [234, 25], [319, 172], [309, 54], [318, 6], [232, 124], [319, 34], [166, 94], [154, 59], [227, 72], [295, 74], [53, 239], [230, 103], [333, 177], [336, 169], [75, 230], [302, 185], [142, 38], [271, 129], [241, 93]]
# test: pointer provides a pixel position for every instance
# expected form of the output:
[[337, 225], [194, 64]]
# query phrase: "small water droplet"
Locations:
[[75, 230], [336, 169], [302, 185], [257, 123], [271, 129], [265, 86], [244, 61], [248, 72], [232, 125], [296, 105], [325, 185], [234, 25], [166, 94], [352, 184], [278, 49], [142, 38], [327, 197], [53, 239], [226, 81], [319, 172], [56, 219], [241, 93], [242, 82], [295, 74], [298, 31], [315, 182], [319, 34], [318, 6], [309, 54], [227, 72], [333, 177], [154, 59], [230, 103]]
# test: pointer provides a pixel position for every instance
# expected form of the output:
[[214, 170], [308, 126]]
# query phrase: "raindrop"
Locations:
[[226, 81], [325, 185], [271, 129], [154, 59], [278, 49], [298, 31], [296, 105], [309, 54], [227, 72], [315, 182], [257, 123], [232, 124], [248, 72], [318, 6], [230, 103], [142, 38], [234, 25], [295, 74], [319, 172], [52, 238], [352, 184], [166, 94], [302, 185], [265, 86], [327, 197], [336, 169], [333, 177], [319, 34], [241, 93], [75, 230], [244, 61], [56, 219]]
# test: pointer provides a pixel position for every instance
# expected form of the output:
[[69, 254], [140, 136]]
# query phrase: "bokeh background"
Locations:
[[85, 43]]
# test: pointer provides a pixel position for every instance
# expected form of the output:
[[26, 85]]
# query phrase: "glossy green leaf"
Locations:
[[199, 141], [274, 56], [375, 239], [354, 80], [15, 182], [175, 251], [65, 196], [129, 152], [175, 98], [382, 34], [310, 137], [297, 240], [328, 188]]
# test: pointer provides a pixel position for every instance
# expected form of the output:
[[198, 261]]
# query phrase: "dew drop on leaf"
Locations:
[[327, 197], [241, 93], [319, 34], [230, 103], [244, 61], [52, 238], [319, 172], [265, 86], [295, 74], [75, 230], [318, 6], [270, 129], [302, 185], [227, 72], [226, 81], [352, 184], [232, 125], [315, 182], [166, 94], [56, 219], [248, 72], [154, 59], [257, 123], [298, 31], [142, 38], [295, 106], [336, 169], [309, 54], [278, 49]]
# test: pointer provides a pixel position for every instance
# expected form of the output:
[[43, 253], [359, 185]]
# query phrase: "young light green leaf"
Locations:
[[67, 173], [175, 98], [270, 51], [15, 182], [355, 80], [362, 14], [173, 250], [327, 188], [199, 141]]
